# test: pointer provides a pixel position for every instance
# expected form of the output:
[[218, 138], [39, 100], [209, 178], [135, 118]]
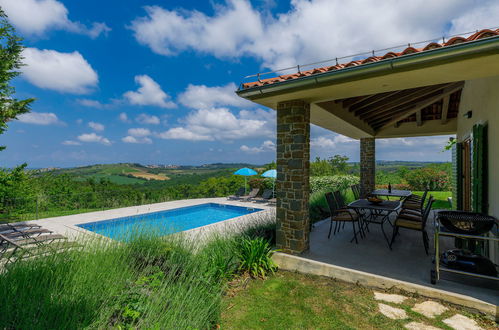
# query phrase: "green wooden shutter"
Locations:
[[479, 169], [457, 176]]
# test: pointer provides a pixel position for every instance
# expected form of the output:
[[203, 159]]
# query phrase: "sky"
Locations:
[[153, 82]]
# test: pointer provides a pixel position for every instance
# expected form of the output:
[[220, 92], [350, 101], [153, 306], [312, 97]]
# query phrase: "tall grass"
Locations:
[[175, 281], [147, 283]]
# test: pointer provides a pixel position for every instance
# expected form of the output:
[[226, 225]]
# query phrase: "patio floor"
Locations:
[[406, 262]]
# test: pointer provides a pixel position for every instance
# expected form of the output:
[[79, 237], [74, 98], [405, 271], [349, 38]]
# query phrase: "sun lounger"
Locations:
[[17, 242], [272, 201], [267, 194], [14, 230], [250, 196], [239, 193]]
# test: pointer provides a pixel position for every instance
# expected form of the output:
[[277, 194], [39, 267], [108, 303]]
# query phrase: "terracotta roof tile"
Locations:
[[486, 33]]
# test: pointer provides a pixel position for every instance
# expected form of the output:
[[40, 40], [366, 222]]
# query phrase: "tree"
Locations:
[[13, 181], [270, 166], [10, 63], [339, 164]]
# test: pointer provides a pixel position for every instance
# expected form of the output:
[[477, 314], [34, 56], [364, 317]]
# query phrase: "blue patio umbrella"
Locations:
[[271, 174], [245, 172]]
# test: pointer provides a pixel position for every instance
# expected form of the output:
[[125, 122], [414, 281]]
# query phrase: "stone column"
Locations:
[[367, 166], [292, 184]]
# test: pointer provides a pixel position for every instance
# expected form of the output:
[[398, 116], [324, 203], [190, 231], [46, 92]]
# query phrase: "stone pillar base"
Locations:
[[292, 183]]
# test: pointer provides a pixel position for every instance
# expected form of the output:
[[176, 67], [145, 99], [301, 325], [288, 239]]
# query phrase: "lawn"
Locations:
[[296, 301], [441, 201]]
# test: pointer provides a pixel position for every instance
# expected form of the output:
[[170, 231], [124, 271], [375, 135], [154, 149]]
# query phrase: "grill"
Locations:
[[469, 223]]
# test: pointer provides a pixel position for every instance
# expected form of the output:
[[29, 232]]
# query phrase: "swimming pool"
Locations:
[[166, 222]]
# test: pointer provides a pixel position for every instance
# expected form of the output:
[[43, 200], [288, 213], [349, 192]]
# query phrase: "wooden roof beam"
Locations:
[[394, 112], [411, 97], [419, 120], [445, 109], [347, 103], [423, 104], [371, 100]]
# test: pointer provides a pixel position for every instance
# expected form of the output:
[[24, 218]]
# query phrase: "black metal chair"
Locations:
[[414, 222], [341, 214], [356, 191], [415, 204]]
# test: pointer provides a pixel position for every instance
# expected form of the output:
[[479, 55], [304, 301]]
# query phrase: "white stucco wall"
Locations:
[[482, 97]]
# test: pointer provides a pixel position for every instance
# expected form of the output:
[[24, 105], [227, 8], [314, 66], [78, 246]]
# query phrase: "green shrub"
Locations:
[[255, 256], [428, 177], [221, 259], [332, 183]]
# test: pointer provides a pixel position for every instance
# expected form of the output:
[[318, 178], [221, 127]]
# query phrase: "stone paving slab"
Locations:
[[429, 308], [392, 312], [392, 298], [461, 322]]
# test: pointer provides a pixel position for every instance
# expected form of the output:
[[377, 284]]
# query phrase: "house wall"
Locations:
[[482, 97]]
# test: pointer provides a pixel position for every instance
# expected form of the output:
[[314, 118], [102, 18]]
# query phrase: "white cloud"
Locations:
[[266, 146], [139, 132], [138, 140], [202, 97], [123, 117], [481, 16], [181, 133], [149, 93], [323, 142], [415, 148], [39, 118], [310, 30], [168, 32], [71, 143], [222, 125], [62, 72], [98, 127], [36, 17], [96, 104], [92, 137], [420, 142], [146, 119]]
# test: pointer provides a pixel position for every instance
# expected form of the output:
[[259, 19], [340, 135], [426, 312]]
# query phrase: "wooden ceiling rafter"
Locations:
[[394, 111], [371, 100], [386, 109], [421, 105], [402, 101]]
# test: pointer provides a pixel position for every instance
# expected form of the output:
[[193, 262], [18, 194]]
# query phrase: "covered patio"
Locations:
[[438, 88]]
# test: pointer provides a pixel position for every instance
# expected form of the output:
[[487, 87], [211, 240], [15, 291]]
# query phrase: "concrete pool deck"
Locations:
[[67, 225]]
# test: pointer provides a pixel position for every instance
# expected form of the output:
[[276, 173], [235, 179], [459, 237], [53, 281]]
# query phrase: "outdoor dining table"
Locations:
[[379, 213], [401, 194]]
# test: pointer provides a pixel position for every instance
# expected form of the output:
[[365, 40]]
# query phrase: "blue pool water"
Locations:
[[166, 222]]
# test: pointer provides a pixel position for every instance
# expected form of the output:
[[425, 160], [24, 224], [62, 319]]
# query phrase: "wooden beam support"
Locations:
[[347, 103], [400, 102], [371, 100], [423, 104], [445, 109], [419, 120]]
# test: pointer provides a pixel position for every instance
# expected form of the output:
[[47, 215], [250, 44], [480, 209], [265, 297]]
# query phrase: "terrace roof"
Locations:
[[485, 33], [414, 92]]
